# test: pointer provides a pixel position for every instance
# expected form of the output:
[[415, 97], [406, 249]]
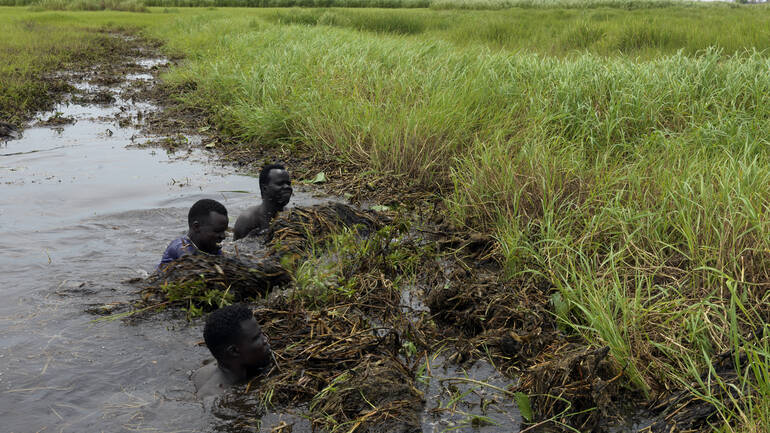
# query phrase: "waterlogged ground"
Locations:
[[88, 206]]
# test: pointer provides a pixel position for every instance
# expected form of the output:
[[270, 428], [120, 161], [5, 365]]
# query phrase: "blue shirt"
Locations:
[[178, 248]]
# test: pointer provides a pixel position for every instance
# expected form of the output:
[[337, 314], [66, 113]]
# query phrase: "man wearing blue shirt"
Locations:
[[207, 222]]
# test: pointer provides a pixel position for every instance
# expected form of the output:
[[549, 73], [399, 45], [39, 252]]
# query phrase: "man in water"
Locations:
[[239, 346], [207, 222], [275, 187]]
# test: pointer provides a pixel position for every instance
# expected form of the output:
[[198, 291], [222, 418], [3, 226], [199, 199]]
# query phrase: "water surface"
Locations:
[[84, 208]]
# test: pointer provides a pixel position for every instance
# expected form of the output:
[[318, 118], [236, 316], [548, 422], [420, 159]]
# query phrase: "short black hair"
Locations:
[[202, 209], [223, 327], [265, 173]]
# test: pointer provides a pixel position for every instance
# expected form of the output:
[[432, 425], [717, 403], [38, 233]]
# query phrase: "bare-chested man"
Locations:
[[275, 187], [240, 348]]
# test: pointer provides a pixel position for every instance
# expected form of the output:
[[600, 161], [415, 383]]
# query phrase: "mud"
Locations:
[[9, 132]]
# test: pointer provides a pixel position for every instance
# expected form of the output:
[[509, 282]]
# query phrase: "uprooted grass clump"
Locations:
[[294, 231], [204, 283]]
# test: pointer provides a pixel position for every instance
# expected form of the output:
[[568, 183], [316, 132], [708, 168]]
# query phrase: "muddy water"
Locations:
[[84, 208], [468, 397]]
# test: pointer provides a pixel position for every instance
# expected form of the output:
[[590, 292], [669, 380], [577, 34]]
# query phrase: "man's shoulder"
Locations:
[[248, 220], [208, 380], [203, 374], [181, 245], [176, 249], [252, 212]]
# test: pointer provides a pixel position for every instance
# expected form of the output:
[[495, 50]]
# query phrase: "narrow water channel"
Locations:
[[83, 209]]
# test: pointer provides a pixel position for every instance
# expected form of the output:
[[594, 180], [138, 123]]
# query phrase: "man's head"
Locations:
[[275, 184], [208, 222], [236, 341]]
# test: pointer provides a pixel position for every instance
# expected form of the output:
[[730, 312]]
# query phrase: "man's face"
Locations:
[[255, 352], [278, 188], [210, 234]]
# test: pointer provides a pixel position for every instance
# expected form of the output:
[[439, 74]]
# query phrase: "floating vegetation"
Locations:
[[203, 282]]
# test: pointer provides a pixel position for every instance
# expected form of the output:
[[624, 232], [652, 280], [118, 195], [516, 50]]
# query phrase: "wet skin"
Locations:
[[247, 357], [209, 234], [275, 196]]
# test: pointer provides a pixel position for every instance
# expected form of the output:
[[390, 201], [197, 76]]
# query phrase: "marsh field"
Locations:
[[600, 165]]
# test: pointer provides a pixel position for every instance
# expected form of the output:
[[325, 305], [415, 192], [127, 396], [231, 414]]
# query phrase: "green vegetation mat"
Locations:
[[621, 155]]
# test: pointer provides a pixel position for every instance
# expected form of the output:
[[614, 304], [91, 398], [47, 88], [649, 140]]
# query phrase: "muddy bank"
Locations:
[[40, 85]]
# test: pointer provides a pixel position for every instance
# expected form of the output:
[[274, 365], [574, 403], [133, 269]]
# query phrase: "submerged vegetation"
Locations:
[[618, 157]]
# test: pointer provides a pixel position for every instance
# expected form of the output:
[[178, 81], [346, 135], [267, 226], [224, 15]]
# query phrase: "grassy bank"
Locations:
[[630, 175]]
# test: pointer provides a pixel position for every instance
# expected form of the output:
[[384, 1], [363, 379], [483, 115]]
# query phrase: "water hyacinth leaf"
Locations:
[[525, 406], [319, 178]]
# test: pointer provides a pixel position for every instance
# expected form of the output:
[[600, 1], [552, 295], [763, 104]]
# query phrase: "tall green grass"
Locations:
[[296, 3], [434, 4], [554, 4], [647, 33], [90, 5]]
